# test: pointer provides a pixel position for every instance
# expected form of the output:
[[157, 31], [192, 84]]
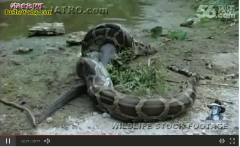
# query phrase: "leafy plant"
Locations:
[[139, 79]]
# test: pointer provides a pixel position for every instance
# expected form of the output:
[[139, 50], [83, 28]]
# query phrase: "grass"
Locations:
[[138, 80]]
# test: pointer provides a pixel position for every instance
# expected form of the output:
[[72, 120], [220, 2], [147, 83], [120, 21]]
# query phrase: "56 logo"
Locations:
[[209, 11], [206, 11]]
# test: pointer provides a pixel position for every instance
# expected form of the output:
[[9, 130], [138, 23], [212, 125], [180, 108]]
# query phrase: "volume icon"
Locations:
[[221, 141]]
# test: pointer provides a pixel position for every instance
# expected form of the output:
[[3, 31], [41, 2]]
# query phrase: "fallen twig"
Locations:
[[152, 58], [149, 62], [188, 59], [20, 107], [220, 100], [230, 25], [171, 81], [167, 40], [216, 84]]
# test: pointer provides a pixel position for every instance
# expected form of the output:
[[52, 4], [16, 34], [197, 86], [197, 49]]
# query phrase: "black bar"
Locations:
[[7, 140], [168, 140]]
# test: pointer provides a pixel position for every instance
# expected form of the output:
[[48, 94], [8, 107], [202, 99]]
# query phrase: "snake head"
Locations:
[[195, 81], [142, 49], [85, 67]]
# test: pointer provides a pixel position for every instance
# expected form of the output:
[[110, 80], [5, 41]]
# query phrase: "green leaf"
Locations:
[[177, 34]]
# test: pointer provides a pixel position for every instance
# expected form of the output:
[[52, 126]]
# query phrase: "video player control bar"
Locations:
[[156, 140]]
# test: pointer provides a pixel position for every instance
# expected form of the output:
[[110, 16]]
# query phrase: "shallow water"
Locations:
[[125, 12]]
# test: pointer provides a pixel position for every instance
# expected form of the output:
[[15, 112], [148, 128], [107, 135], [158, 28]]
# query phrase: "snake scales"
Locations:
[[131, 108], [100, 88], [110, 33]]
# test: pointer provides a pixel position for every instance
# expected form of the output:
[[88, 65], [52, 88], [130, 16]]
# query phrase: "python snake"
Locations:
[[101, 90], [131, 108], [117, 35]]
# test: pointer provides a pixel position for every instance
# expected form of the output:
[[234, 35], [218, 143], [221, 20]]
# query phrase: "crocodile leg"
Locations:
[[63, 100], [107, 53]]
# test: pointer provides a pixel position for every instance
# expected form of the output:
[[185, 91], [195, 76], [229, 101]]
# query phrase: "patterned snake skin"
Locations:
[[100, 88], [118, 36], [131, 108]]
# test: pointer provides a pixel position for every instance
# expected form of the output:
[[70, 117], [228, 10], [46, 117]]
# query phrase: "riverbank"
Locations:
[[37, 78]]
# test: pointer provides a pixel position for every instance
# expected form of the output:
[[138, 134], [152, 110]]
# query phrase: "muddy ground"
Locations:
[[39, 77]]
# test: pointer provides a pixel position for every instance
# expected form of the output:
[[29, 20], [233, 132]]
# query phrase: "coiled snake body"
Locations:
[[117, 35], [100, 88], [131, 108]]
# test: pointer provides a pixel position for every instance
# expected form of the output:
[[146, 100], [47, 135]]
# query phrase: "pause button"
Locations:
[[8, 140]]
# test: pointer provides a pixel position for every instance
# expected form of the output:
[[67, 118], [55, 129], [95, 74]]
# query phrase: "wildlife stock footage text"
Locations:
[[181, 125]]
